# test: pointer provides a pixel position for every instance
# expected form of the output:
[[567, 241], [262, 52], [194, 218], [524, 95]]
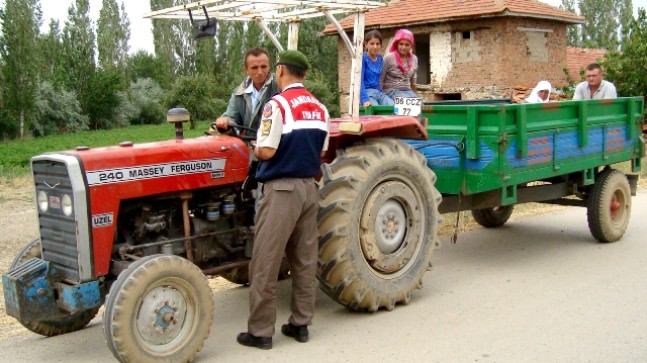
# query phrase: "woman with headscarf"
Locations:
[[540, 94], [400, 67]]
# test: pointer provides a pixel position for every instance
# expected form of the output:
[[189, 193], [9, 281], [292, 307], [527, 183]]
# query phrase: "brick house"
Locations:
[[471, 49]]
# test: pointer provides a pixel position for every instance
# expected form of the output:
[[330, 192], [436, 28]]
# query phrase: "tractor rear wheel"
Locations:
[[378, 221], [160, 309], [63, 323], [609, 206]]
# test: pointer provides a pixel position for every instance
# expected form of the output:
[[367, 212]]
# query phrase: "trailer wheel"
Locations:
[[378, 221], [493, 217], [159, 309], [65, 323], [609, 206]]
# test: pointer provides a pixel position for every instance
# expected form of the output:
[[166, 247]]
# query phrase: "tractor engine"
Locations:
[[211, 227]]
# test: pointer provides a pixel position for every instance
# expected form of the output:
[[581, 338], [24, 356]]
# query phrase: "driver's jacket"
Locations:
[[239, 107]]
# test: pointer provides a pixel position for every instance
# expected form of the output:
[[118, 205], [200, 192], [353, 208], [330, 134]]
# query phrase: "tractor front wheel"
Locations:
[[160, 309]]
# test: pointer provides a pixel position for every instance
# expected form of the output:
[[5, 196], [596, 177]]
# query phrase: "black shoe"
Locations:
[[250, 340], [299, 333]]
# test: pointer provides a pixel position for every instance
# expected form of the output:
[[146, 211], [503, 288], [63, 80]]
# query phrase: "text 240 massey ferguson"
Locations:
[[138, 226]]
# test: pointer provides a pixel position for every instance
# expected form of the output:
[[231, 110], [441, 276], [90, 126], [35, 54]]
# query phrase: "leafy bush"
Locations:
[[146, 99], [104, 99], [317, 84], [126, 111], [57, 111], [196, 94]]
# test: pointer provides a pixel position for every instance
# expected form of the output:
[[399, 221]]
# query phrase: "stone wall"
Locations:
[[481, 59]]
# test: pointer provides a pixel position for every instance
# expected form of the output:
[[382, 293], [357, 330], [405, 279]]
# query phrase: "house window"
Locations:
[[422, 52], [536, 43], [466, 47], [447, 97]]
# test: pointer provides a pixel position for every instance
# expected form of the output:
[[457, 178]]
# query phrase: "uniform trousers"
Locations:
[[286, 223]]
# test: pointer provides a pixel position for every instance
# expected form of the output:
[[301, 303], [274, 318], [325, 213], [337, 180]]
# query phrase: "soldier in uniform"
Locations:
[[291, 139]]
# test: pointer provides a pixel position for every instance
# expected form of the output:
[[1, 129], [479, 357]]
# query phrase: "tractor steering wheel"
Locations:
[[237, 131]]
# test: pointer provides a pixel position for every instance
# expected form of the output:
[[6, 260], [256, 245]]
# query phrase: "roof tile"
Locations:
[[408, 12]]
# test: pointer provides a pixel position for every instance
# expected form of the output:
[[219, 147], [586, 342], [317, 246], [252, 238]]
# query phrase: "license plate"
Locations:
[[406, 106], [55, 202]]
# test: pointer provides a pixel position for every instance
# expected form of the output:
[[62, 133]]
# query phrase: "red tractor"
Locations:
[[138, 226]]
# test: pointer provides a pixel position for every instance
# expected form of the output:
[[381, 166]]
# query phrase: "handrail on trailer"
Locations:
[[290, 12]]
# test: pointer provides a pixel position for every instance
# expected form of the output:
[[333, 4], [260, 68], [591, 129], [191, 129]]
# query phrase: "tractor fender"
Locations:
[[348, 131]]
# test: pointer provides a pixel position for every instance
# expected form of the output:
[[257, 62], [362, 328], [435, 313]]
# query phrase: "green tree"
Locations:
[[104, 99], [236, 49], [144, 65], [78, 53], [604, 25], [113, 31], [205, 62], [625, 17], [124, 48], [173, 40], [572, 31], [51, 49], [628, 69], [317, 83], [228, 64], [599, 23], [163, 42], [19, 52], [321, 51]]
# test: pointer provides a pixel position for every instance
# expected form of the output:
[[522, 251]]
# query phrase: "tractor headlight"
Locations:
[[41, 199], [66, 205]]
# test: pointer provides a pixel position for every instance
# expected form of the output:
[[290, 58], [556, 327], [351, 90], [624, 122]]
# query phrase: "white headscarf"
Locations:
[[541, 86]]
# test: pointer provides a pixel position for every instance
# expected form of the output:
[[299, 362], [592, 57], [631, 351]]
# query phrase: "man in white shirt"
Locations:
[[594, 87]]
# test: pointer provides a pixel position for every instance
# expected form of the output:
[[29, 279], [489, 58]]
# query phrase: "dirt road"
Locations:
[[18, 224], [538, 289]]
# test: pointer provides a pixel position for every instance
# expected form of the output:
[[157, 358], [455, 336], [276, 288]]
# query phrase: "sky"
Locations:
[[141, 37]]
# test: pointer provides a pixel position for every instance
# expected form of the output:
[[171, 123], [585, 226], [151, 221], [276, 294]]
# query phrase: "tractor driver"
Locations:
[[247, 100]]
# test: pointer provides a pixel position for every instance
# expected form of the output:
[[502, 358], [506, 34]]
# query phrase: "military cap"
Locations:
[[293, 58]]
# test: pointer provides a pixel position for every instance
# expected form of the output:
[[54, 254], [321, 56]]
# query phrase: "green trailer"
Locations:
[[490, 154], [389, 179]]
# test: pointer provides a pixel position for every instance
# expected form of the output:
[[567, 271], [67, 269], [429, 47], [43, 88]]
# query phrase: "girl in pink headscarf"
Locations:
[[400, 67]]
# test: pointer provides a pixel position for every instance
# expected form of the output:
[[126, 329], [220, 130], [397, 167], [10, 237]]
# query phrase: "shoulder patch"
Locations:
[[266, 126], [267, 110]]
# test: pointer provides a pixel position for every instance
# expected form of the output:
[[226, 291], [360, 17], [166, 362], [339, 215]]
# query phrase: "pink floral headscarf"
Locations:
[[402, 34]]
